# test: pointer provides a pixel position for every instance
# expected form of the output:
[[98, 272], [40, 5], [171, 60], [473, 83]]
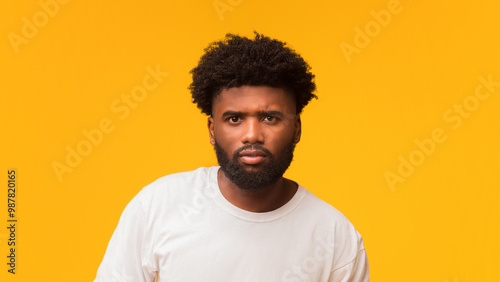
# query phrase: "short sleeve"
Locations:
[[127, 257], [355, 270]]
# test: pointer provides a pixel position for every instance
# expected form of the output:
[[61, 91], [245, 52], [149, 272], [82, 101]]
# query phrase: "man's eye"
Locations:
[[234, 119], [270, 118]]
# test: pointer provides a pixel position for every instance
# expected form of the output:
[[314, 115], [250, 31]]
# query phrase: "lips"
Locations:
[[252, 157]]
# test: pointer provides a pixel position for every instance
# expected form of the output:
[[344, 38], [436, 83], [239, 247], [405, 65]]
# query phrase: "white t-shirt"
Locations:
[[181, 228]]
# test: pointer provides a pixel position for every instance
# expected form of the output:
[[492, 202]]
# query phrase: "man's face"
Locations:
[[254, 130]]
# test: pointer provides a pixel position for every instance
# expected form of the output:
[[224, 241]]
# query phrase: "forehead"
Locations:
[[253, 99]]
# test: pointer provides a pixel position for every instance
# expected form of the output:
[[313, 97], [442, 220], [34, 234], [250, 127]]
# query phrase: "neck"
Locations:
[[263, 200]]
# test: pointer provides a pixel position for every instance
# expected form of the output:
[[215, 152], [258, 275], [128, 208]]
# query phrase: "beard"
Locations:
[[268, 174]]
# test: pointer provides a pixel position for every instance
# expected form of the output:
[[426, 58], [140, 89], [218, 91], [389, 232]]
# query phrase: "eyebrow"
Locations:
[[260, 113]]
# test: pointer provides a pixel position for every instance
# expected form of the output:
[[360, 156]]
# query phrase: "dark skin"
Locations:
[[255, 115]]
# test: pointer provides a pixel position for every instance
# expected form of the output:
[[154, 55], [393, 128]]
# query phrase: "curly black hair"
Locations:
[[237, 61]]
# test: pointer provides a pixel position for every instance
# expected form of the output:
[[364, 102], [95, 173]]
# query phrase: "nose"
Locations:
[[252, 132]]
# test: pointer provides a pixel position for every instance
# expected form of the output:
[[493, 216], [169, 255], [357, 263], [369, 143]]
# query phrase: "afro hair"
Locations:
[[237, 61]]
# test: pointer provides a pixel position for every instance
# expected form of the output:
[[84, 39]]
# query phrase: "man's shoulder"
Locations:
[[177, 185], [323, 211], [319, 205], [199, 174], [329, 220]]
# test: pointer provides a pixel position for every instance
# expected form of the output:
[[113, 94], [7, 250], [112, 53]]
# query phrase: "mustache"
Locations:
[[251, 147]]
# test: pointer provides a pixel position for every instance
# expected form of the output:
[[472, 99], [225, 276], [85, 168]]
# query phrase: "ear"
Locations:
[[210, 124], [298, 129]]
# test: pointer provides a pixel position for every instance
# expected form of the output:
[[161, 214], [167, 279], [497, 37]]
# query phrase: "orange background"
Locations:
[[408, 69]]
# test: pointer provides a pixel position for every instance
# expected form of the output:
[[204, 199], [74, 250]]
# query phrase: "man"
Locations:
[[241, 221]]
